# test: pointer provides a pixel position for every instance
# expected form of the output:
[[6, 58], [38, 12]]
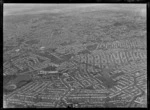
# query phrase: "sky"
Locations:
[[13, 9]]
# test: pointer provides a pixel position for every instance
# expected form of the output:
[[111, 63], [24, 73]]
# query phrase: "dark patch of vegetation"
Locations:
[[22, 83], [8, 78], [84, 52], [49, 68]]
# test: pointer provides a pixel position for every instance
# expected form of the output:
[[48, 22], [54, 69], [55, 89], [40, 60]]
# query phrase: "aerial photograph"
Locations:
[[74, 55]]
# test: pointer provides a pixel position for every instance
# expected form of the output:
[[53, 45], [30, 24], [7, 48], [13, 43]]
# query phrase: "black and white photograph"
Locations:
[[74, 55]]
